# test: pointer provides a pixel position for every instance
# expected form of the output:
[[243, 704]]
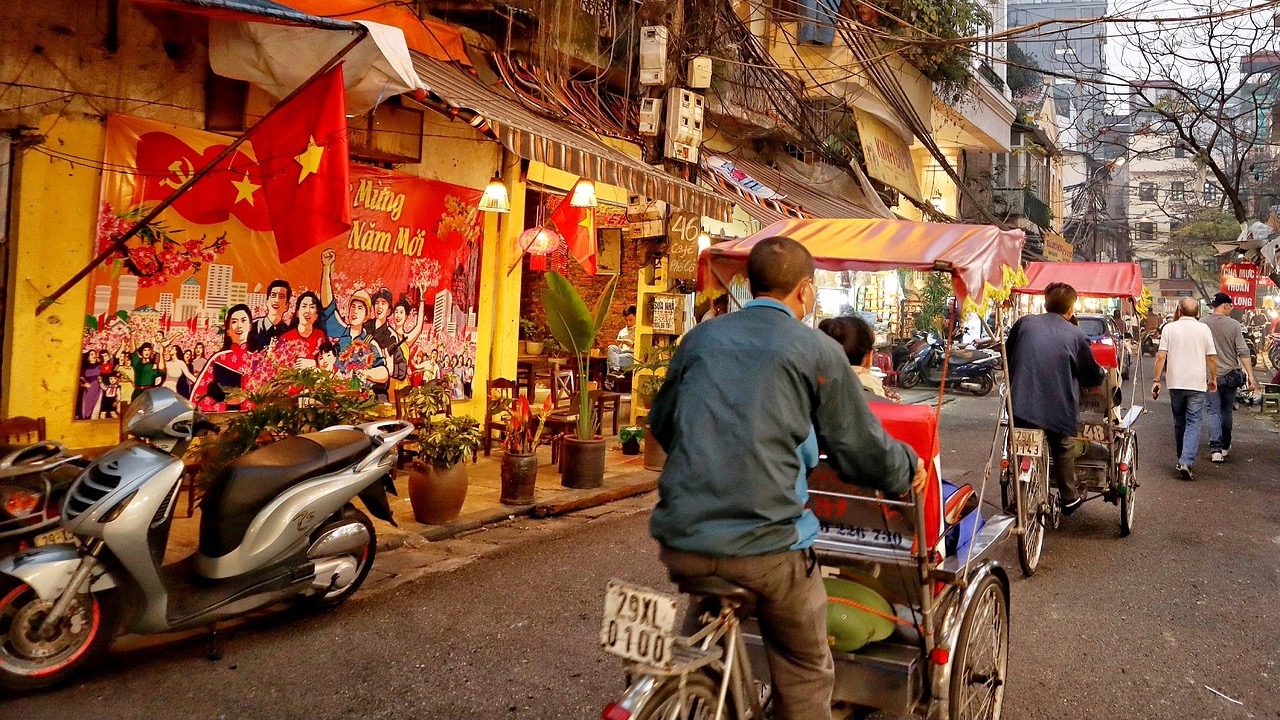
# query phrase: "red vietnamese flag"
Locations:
[[165, 161], [302, 151], [577, 225]]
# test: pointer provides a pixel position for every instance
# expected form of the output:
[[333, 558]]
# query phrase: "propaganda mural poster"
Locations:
[[201, 302]]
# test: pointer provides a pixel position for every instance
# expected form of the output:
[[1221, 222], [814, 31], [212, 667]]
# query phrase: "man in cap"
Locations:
[[1235, 370], [1186, 347], [352, 328]]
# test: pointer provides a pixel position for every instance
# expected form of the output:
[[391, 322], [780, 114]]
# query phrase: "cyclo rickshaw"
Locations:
[[916, 574], [1106, 443]]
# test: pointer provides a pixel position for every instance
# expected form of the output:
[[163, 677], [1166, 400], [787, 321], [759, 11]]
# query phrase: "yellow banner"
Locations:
[[887, 156], [1057, 248]]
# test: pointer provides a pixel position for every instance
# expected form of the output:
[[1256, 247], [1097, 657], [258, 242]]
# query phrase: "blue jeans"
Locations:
[[1220, 405], [1188, 406]]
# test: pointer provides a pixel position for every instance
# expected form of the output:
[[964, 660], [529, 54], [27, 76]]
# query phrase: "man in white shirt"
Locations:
[[621, 355], [1187, 349]]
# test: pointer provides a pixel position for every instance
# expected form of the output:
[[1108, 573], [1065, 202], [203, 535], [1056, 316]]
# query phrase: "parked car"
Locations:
[[1102, 330]]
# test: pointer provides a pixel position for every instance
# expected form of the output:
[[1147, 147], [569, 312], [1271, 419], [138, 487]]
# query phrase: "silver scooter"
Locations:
[[276, 523]]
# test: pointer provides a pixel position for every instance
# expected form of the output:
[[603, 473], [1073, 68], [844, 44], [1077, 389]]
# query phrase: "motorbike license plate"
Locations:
[[1027, 443], [639, 624], [1097, 432], [53, 537]]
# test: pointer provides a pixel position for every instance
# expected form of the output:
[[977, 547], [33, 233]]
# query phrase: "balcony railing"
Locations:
[[1024, 202]]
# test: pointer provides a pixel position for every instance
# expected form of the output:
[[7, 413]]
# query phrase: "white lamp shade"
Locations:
[[495, 198], [584, 194]]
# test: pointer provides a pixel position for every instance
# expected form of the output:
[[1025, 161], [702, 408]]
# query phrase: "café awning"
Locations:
[[1090, 279], [769, 195], [558, 145]]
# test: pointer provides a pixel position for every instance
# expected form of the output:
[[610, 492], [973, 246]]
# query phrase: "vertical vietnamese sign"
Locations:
[[1240, 281], [682, 249]]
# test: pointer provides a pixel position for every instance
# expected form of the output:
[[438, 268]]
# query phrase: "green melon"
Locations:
[[849, 628]]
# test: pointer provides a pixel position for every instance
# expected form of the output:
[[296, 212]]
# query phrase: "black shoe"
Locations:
[[1072, 506], [1184, 472]]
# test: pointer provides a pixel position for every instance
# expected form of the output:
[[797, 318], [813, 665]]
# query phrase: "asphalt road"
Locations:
[[1110, 628]]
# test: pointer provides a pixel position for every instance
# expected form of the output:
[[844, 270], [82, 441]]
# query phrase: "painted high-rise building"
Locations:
[[190, 289], [165, 304], [185, 309], [257, 301], [217, 294], [239, 293], [444, 321], [101, 300], [127, 293]]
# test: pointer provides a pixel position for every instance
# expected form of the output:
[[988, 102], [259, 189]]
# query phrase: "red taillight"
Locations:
[[614, 711], [1107, 341], [1124, 467], [1004, 464], [940, 656], [20, 503]]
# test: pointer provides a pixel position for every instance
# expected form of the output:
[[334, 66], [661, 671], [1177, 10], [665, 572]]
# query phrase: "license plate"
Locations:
[[1096, 432], [639, 624], [1027, 443], [53, 537]]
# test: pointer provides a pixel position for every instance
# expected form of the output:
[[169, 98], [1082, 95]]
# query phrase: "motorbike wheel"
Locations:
[[986, 384], [909, 378], [31, 660], [334, 598]]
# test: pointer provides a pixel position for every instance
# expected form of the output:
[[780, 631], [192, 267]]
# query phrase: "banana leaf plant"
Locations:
[[576, 328]]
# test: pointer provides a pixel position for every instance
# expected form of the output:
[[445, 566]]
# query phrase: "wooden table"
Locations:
[[538, 366]]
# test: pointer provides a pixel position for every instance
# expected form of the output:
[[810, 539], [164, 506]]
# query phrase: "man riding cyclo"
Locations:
[[747, 399]]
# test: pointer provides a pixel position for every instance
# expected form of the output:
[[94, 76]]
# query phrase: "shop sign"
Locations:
[[667, 309], [682, 249], [1240, 281], [724, 167], [1057, 248], [386, 305], [887, 156]]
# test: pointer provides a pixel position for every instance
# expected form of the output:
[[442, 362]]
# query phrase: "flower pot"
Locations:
[[654, 456], [519, 474], [582, 463], [630, 437], [436, 492], [533, 348]]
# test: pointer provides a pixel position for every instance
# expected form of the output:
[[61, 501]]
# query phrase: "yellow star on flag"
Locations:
[[245, 189], [310, 159]]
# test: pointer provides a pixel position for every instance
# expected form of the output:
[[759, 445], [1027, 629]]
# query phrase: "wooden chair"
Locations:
[[22, 430], [607, 399], [563, 384], [493, 421]]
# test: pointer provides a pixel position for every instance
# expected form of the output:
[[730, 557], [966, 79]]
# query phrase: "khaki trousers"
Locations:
[[792, 611]]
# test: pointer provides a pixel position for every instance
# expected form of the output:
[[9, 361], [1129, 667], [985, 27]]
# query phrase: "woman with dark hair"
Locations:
[[304, 329], [225, 370], [859, 342], [90, 388], [177, 376]]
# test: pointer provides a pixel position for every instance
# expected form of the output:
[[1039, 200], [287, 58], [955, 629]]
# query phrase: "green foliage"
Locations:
[[932, 295], [651, 372], [529, 330], [1020, 73], [447, 442], [575, 327], [947, 65], [294, 402], [430, 398]]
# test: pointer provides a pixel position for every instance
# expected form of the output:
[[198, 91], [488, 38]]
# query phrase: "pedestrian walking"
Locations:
[[1186, 350], [1235, 370]]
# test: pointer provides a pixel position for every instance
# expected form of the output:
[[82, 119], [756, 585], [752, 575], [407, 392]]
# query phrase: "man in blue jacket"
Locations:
[[746, 400]]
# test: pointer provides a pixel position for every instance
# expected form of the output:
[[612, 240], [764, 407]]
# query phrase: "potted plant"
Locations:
[[575, 327], [520, 443], [646, 381], [532, 335], [438, 475], [553, 347]]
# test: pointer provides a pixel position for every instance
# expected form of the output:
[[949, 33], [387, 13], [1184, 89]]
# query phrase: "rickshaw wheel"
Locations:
[[982, 654], [1128, 486], [1032, 501]]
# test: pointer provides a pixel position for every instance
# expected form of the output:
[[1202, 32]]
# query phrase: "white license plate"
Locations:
[[53, 537], [639, 624], [1027, 443], [1096, 432]]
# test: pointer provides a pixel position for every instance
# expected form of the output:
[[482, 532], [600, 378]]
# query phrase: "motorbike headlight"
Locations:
[[20, 503]]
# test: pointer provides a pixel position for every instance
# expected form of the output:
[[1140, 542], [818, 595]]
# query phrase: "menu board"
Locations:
[[682, 250]]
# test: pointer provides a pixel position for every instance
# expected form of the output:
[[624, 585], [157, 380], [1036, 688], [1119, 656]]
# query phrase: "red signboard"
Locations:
[[1240, 281]]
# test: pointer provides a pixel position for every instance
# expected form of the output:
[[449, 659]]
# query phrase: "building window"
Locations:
[[1177, 271], [1148, 268], [1179, 150], [1147, 231], [1177, 189], [1212, 265], [1147, 191], [1210, 192]]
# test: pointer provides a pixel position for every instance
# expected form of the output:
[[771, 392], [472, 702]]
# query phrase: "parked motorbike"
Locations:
[[1151, 343], [972, 370], [33, 481], [277, 523]]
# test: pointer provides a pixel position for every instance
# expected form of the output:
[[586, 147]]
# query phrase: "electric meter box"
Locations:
[[653, 55], [700, 72], [650, 115], [684, 125]]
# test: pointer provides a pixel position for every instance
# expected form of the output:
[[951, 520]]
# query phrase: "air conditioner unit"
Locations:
[[684, 125], [700, 72], [653, 55], [650, 115]]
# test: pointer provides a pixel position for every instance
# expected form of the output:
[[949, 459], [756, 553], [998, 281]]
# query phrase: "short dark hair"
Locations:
[[854, 335], [1059, 298], [288, 289], [383, 294], [631, 310], [777, 265], [404, 303]]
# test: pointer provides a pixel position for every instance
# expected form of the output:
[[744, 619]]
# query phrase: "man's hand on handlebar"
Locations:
[[921, 477]]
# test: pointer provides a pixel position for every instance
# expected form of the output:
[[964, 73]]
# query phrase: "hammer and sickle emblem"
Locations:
[[180, 174]]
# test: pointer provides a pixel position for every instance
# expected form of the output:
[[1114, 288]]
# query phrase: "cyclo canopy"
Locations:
[[976, 256], [1090, 279]]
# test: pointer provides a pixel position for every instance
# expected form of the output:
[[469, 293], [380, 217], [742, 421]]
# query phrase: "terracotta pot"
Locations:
[[437, 492], [654, 456], [519, 474], [582, 463]]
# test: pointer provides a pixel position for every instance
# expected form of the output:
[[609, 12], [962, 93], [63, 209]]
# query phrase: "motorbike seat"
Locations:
[[965, 355], [250, 482]]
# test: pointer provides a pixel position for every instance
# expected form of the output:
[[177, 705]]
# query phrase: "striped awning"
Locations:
[[770, 195], [560, 146]]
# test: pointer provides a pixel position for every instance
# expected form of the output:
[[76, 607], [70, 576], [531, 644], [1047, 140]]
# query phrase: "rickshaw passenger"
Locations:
[[858, 340], [731, 501], [1049, 359]]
